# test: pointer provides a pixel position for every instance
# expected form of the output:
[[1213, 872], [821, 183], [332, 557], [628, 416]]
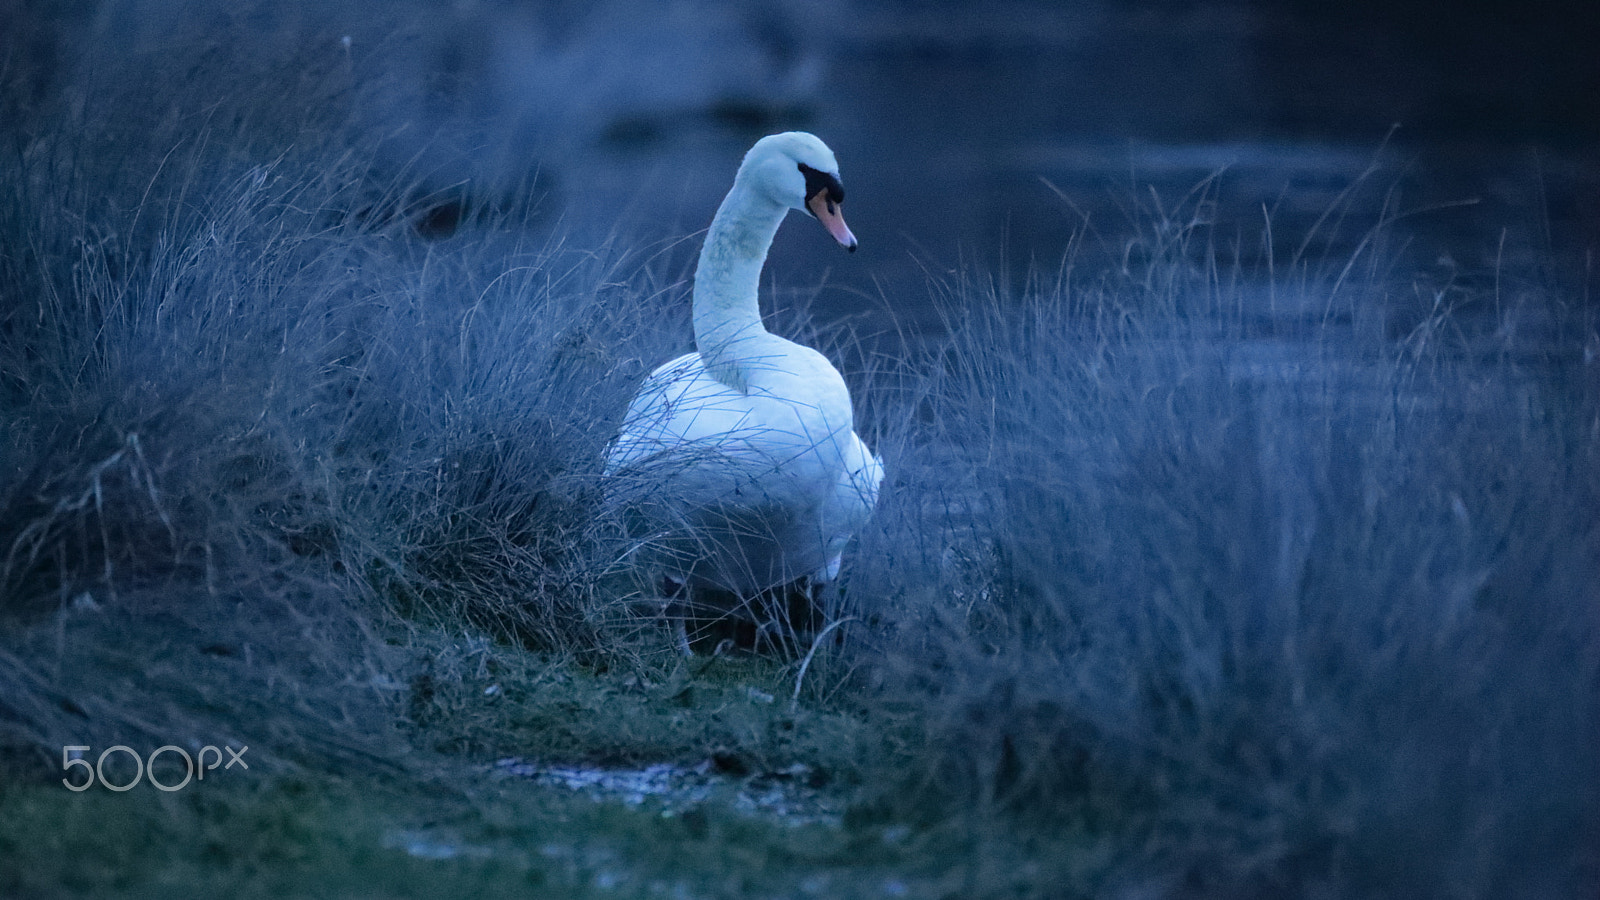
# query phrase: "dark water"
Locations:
[[1011, 150], [1004, 138]]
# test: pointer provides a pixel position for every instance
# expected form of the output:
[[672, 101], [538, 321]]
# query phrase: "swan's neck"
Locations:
[[727, 311]]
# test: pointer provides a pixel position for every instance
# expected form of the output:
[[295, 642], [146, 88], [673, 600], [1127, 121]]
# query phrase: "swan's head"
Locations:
[[796, 170]]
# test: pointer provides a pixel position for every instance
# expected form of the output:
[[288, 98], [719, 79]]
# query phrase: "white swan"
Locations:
[[743, 455]]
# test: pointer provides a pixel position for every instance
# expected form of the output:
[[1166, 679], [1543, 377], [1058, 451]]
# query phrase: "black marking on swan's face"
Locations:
[[817, 182]]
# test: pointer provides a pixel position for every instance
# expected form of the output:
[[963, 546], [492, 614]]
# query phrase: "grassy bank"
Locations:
[[1193, 575]]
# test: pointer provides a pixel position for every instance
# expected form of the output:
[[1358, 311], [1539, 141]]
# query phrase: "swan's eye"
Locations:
[[818, 182]]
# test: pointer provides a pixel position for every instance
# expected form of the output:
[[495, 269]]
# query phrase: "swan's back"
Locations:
[[746, 491]]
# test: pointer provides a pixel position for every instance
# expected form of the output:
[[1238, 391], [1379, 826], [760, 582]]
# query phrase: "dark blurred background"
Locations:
[[993, 134]]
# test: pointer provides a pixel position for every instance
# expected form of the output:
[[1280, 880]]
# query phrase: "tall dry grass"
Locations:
[[1289, 585], [240, 406]]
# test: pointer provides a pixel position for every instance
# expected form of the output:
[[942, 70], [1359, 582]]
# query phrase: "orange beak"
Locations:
[[832, 218]]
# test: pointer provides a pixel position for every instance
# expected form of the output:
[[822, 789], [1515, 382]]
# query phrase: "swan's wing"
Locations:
[[854, 499], [869, 476]]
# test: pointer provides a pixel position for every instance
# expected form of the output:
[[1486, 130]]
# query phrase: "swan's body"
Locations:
[[744, 451]]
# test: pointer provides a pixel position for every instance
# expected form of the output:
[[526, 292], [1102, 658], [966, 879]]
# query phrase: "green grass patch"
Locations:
[[447, 820]]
